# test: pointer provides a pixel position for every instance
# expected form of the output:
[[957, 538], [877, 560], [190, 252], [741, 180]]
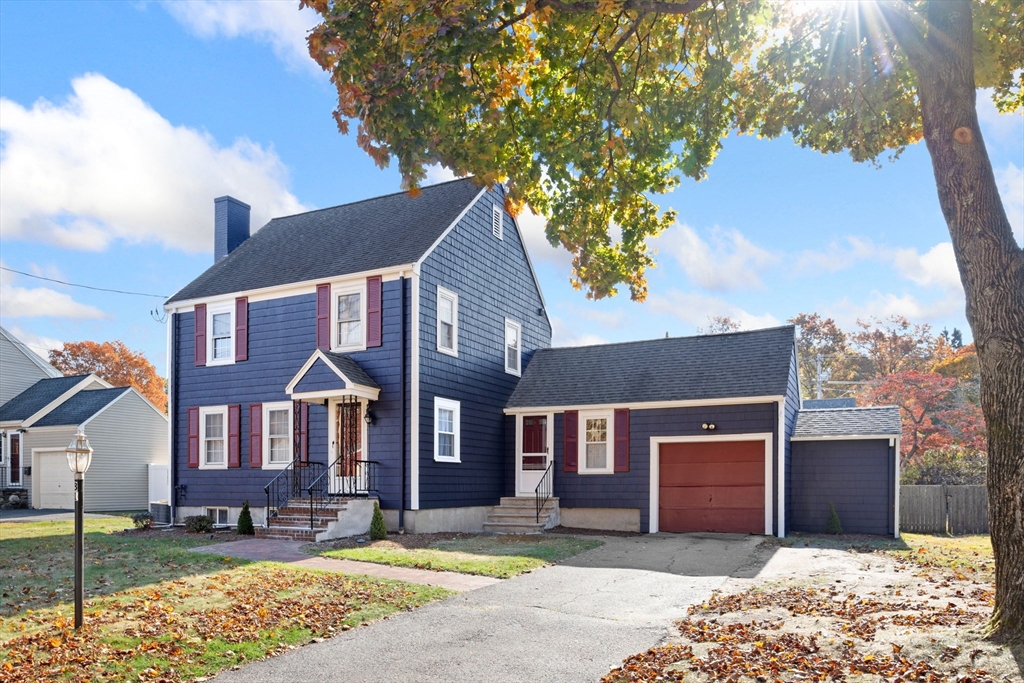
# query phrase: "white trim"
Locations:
[[289, 289], [332, 437], [609, 444], [458, 219], [896, 511], [655, 467], [844, 437], [360, 392], [42, 412], [37, 479], [220, 308], [648, 405], [203, 412], [337, 291], [265, 435], [550, 429], [31, 355], [171, 343], [518, 370], [454, 298], [529, 262], [21, 460], [414, 394], [498, 221], [781, 463], [455, 407], [351, 387]]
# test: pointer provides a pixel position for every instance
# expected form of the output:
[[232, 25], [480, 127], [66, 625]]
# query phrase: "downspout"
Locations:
[[405, 427], [171, 460]]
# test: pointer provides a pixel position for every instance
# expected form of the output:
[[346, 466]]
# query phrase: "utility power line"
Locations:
[[72, 284]]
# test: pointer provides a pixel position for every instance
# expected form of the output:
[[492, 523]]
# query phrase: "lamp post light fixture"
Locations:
[[79, 454]]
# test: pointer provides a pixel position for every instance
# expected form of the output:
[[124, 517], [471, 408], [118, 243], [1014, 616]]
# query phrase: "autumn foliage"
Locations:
[[115, 363]]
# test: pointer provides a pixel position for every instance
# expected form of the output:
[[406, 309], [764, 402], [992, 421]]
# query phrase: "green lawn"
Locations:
[[963, 554], [498, 556], [156, 611]]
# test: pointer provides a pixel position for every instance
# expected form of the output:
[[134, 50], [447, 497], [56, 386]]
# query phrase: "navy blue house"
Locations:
[[398, 349]]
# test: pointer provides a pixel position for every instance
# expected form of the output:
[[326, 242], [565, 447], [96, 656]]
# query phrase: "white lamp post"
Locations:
[[79, 454]]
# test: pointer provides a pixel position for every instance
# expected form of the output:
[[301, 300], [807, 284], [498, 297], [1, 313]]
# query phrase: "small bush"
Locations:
[[833, 526], [143, 520], [378, 531], [198, 524], [245, 527]]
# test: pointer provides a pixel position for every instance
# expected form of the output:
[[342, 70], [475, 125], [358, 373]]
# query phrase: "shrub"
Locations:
[[143, 520], [947, 466], [245, 521], [833, 526], [378, 531], [198, 524]]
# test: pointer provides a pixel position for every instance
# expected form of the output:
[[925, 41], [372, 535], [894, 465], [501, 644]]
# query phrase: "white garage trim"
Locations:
[[655, 455], [37, 474]]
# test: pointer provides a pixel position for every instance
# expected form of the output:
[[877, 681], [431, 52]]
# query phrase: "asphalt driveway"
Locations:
[[570, 622]]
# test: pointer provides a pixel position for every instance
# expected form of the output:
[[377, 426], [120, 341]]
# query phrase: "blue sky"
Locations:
[[120, 122]]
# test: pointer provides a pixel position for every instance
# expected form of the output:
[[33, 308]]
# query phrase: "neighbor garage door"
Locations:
[[56, 485], [713, 486]]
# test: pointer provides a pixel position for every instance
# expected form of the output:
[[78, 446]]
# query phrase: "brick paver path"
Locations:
[[289, 552]]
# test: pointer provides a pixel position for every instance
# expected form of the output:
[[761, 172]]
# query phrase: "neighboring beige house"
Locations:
[[37, 422]]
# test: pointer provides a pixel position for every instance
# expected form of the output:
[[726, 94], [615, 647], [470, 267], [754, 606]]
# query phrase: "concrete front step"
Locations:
[[502, 516], [512, 528], [531, 502]]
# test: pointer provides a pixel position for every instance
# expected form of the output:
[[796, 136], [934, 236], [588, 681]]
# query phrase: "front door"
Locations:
[[14, 462], [348, 472], [534, 456]]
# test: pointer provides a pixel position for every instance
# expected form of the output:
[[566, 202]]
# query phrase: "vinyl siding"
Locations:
[[17, 371], [282, 337], [792, 408], [856, 476], [52, 438], [493, 281], [632, 489]]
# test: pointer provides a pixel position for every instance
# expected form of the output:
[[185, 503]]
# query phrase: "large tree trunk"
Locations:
[[992, 271]]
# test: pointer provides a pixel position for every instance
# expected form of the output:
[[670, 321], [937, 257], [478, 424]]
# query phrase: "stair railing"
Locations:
[[289, 482], [544, 489], [361, 481]]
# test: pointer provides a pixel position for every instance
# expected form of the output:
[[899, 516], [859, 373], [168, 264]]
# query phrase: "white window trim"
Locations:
[[581, 438], [12, 434], [218, 309], [267, 407], [216, 509], [456, 408], [518, 370], [203, 412], [448, 294], [498, 221], [337, 291]]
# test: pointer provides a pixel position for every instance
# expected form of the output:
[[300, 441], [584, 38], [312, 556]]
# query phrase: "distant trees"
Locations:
[[719, 324], [115, 363]]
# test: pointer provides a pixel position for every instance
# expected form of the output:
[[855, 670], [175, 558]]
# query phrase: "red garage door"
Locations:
[[714, 486]]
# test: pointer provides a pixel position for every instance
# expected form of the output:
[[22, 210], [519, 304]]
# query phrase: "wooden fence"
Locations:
[[944, 509]]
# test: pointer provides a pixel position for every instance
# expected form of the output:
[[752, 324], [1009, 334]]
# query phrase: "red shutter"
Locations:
[[255, 435], [193, 437], [622, 440], [242, 328], [234, 436], [373, 311], [200, 340], [571, 451], [304, 432], [323, 317]]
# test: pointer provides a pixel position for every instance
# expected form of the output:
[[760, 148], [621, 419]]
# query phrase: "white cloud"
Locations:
[[532, 227], [278, 23], [104, 165], [1011, 189], [438, 174], [838, 255], [726, 262], [696, 308], [570, 334], [39, 344], [613, 319], [882, 305], [38, 302], [934, 268], [998, 127]]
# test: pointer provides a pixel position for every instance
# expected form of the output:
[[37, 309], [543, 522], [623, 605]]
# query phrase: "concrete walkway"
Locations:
[[289, 552], [569, 622]]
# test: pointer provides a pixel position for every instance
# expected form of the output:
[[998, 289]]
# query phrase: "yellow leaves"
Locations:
[[609, 7], [55, 642]]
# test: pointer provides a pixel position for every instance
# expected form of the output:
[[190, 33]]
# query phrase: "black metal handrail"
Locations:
[[362, 472], [544, 488], [289, 482]]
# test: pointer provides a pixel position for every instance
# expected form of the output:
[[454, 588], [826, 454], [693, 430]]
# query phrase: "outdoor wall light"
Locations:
[[368, 417], [709, 426]]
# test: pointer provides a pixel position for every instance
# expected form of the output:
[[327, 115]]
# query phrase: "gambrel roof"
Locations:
[[733, 365], [383, 232]]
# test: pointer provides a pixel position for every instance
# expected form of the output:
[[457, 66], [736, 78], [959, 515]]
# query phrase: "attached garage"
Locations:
[[713, 484], [56, 483]]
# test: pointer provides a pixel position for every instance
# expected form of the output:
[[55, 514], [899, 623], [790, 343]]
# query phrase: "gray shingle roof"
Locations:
[[36, 397], [80, 407], [738, 364], [392, 230], [816, 403], [351, 369], [883, 420]]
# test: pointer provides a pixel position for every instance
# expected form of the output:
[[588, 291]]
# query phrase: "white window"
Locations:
[[218, 515], [447, 321], [513, 347], [277, 435], [595, 455], [349, 316], [220, 323], [497, 220], [213, 437], [446, 430]]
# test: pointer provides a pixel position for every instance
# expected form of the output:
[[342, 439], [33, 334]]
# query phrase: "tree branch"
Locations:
[[643, 6]]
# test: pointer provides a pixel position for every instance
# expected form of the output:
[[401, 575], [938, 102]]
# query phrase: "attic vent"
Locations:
[[496, 220]]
